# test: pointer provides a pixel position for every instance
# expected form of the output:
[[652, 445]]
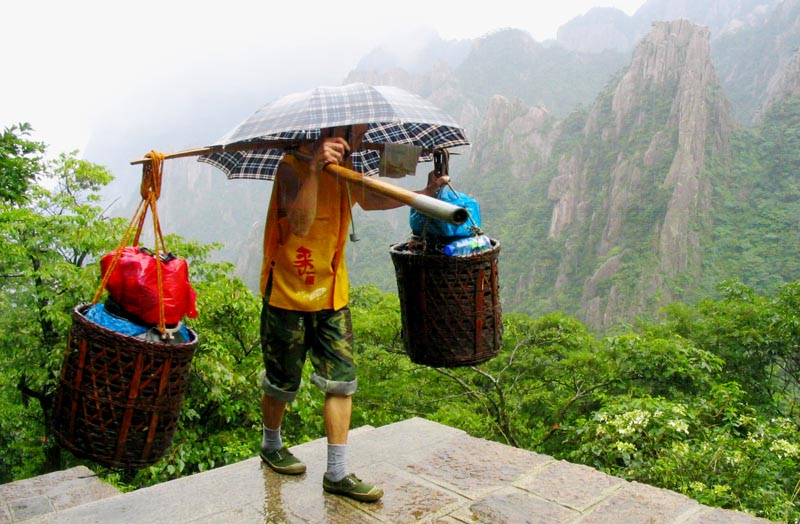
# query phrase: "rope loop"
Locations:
[[151, 176]]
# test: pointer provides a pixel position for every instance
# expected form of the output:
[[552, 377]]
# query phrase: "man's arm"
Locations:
[[297, 199], [298, 196]]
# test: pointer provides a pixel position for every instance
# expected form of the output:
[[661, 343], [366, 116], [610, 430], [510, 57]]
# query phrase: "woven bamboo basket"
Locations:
[[119, 397], [450, 306]]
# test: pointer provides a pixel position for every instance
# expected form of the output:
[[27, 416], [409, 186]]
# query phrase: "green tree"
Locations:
[[755, 336], [52, 240], [20, 161], [49, 236], [658, 403]]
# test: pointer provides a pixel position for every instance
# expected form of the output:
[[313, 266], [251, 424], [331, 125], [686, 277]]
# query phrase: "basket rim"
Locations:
[[79, 317], [401, 249]]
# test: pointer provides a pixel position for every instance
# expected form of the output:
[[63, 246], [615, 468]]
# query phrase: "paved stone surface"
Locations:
[[59, 491], [430, 473]]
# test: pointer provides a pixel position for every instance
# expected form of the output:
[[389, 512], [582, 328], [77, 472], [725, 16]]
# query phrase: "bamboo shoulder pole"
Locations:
[[426, 205], [429, 206]]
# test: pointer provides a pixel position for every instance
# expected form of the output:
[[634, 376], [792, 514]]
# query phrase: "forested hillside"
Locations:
[[626, 204]]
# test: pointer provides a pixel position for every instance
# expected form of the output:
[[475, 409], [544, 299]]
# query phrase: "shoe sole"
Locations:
[[294, 469]]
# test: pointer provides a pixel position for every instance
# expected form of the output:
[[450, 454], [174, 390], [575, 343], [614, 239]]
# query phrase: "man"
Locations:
[[305, 288]]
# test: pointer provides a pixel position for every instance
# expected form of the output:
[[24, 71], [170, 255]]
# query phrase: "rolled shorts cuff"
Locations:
[[334, 386], [276, 392]]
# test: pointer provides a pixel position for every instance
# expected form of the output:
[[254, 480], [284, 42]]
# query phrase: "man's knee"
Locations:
[[271, 390], [335, 387]]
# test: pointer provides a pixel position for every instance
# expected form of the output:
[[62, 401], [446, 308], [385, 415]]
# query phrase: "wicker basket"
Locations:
[[119, 397], [450, 306]]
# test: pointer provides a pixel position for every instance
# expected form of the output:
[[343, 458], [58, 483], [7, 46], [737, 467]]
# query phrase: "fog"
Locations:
[[115, 80]]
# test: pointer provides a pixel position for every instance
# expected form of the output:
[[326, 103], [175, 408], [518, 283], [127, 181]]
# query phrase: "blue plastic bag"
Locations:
[[441, 228], [98, 314]]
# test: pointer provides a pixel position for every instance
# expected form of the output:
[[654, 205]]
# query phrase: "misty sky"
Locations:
[[70, 65]]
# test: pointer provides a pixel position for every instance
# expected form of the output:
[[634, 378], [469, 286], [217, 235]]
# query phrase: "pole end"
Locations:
[[459, 216]]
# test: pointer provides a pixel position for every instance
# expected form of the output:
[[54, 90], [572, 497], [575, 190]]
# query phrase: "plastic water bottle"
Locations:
[[467, 246]]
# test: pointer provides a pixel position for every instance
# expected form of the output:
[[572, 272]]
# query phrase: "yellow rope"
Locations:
[[150, 190], [126, 237], [151, 175], [151, 186]]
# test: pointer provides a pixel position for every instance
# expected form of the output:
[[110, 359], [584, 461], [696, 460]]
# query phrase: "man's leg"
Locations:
[[273, 452], [272, 411], [338, 479], [332, 357], [337, 411], [282, 344]]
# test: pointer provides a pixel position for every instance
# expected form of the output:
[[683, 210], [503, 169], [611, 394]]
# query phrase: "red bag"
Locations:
[[133, 285]]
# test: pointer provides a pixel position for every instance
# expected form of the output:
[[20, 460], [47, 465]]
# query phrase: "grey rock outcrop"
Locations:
[[518, 135], [666, 107]]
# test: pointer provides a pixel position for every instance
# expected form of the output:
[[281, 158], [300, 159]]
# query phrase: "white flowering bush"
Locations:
[[714, 449]]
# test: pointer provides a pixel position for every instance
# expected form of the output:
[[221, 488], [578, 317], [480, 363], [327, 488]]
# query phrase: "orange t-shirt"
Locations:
[[308, 273]]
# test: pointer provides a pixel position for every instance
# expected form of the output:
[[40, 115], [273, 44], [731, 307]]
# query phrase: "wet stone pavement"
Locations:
[[430, 473], [59, 491]]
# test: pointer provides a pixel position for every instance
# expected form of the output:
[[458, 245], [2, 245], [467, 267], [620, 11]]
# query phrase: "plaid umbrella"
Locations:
[[393, 115]]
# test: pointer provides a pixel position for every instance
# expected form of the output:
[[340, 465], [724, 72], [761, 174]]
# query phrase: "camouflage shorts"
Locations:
[[288, 337]]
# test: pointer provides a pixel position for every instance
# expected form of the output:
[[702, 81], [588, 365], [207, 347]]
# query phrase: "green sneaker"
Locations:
[[351, 486], [282, 461]]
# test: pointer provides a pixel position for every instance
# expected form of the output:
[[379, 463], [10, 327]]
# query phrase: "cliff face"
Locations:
[[785, 81], [665, 112], [520, 136], [784, 84]]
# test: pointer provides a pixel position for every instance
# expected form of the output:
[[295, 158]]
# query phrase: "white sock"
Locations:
[[337, 462], [271, 439]]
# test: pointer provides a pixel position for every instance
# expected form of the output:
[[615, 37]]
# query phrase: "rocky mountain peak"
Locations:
[[667, 111], [607, 26], [673, 53]]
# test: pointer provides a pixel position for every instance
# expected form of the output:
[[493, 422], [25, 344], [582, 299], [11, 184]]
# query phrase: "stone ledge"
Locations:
[[26, 499], [430, 473]]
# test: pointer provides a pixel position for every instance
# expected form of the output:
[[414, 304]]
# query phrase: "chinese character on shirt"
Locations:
[[305, 264]]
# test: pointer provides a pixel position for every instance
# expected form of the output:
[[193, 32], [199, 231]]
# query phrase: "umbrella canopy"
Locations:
[[394, 116]]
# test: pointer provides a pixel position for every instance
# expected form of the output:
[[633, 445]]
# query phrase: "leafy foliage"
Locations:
[[20, 161], [49, 237], [667, 403], [52, 239], [714, 448]]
